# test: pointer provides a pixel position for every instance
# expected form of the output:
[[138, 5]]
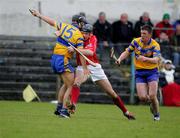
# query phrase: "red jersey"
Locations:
[[90, 44], [162, 25]]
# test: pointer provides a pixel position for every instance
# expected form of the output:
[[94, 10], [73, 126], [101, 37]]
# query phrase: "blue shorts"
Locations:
[[60, 64], [146, 75]]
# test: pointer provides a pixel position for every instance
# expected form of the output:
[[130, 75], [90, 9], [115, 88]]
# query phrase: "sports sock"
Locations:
[[117, 101], [75, 94], [59, 106], [155, 104]]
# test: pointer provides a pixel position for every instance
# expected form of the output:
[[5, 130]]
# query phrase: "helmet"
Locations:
[[79, 19], [87, 28]]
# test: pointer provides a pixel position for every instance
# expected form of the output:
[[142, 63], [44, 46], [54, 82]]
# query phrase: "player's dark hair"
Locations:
[[79, 19], [148, 28]]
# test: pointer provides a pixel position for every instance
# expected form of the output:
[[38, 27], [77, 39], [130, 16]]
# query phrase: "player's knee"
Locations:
[[114, 95], [143, 98], [76, 85], [152, 96]]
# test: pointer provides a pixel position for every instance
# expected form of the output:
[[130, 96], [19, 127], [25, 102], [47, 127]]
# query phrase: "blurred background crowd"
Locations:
[[121, 32], [115, 22]]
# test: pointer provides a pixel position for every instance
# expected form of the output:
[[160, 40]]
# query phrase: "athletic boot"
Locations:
[[156, 117], [129, 116], [64, 113], [71, 108]]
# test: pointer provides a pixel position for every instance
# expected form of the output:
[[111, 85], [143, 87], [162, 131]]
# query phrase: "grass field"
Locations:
[[36, 120]]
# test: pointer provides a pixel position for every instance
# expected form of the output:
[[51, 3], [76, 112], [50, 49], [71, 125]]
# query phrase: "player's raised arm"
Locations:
[[47, 19], [126, 53], [123, 56]]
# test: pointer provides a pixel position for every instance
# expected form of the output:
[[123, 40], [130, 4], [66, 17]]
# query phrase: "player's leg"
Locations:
[[141, 85], [153, 87], [79, 79], [142, 92], [60, 64], [76, 87], [61, 93], [106, 86], [99, 77], [57, 64], [68, 79], [152, 79]]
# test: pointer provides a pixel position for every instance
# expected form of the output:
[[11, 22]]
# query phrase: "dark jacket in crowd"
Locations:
[[175, 40], [166, 50], [138, 25], [122, 33], [102, 31]]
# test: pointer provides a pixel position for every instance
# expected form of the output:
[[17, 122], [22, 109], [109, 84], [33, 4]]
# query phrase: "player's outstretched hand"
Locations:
[[34, 12], [118, 61], [57, 33]]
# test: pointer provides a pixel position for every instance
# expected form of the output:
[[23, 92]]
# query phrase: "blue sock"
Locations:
[[157, 115], [59, 106]]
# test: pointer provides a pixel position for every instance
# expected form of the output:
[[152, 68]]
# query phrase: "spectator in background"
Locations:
[[167, 73], [175, 41], [170, 89], [102, 30], [144, 20], [122, 32], [164, 26], [164, 42]]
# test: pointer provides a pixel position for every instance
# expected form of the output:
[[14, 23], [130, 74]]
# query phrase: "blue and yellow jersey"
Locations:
[[152, 49], [68, 34]]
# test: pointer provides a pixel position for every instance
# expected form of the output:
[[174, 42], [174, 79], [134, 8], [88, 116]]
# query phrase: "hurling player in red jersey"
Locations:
[[97, 73]]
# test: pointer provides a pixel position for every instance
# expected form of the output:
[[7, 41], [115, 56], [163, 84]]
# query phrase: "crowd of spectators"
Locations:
[[121, 32]]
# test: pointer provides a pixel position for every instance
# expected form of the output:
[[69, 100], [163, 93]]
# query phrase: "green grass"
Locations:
[[36, 120]]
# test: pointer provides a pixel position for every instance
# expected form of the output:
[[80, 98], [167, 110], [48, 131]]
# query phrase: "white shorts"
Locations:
[[97, 73]]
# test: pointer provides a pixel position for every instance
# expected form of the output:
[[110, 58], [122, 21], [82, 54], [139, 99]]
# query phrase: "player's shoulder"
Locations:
[[154, 42], [136, 40], [94, 38], [78, 34]]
